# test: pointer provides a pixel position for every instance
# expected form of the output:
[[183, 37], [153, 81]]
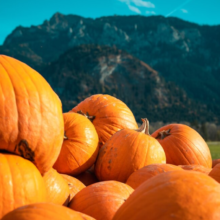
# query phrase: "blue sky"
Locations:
[[26, 13]]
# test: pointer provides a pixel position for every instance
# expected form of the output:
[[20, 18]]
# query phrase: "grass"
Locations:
[[215, 149]]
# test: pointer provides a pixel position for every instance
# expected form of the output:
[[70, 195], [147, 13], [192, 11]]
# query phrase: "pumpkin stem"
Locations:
[[65, 137], [144, 128], [90, 117], [161, 135]]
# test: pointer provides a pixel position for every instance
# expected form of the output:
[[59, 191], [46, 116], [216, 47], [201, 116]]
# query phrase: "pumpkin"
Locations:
[[21, 183], [183, 145], [145, 173], [57, 188], [215, 173], [74, 185], [45, 211], [127, 151], [108, 115], [215, 162], [178, 194], [87, 178], [80, 147], [31, 122], [101, 200], [198, 168]]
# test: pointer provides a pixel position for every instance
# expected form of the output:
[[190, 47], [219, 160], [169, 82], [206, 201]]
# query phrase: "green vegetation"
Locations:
[[215, 149]]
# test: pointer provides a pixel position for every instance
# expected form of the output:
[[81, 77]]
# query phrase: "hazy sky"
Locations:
[[29, 12]]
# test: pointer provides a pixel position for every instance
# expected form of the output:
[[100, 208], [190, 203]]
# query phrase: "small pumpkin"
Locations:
[[74, 185], [215, 162], [108, 115], [101, 200], [147, 172], [183, 145], [57, 188], [178, 194], [127, 151], [197, 168], [45, 211], [80, 147], [21, 183], [215, 173], [31, 122]]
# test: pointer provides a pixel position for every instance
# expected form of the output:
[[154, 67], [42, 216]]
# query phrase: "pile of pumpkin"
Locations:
[[93, 162]]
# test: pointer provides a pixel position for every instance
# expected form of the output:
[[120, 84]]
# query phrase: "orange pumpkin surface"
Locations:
[[45, 211], [145, 173], [57, 188], [108, 115], [74, 185], [183, 145], [80, 147], [21, 183], [178, 194], [87, 178], [101, 200], [31, 122], [215, 173], [127, 151], [198, 168], [215, 162]]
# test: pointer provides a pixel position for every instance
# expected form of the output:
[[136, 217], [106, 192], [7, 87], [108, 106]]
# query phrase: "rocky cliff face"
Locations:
[[183, 53]]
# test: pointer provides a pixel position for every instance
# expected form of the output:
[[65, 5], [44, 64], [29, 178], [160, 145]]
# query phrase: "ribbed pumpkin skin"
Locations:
[[215, 162], [197, 168], [145, 173], [87, 178], [45, 211], [184, 146], [125, 152], [21, 183], [178, 194], [80, 149], [74, 185], [31, 122], [215, 173], [101, 200], [57, 188], [111, 115]]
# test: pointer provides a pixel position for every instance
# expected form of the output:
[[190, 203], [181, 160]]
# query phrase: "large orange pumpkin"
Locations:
[[74, 185], [198, 168], [21, 183], [45, 211], [80, 147], [145, 173], [178, 194], [101, 200], [31, 122], [108, 115], [57, 188], [183, 145], [127, 151]]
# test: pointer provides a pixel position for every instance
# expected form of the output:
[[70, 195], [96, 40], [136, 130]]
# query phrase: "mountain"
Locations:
[[92, 69], [184, 55]]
